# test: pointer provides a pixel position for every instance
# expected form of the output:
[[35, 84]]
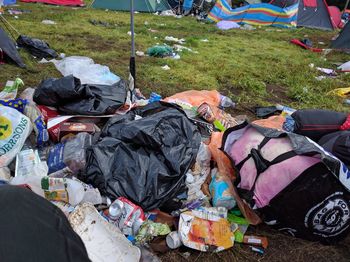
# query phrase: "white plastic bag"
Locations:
[[86, 70], [14, 130]]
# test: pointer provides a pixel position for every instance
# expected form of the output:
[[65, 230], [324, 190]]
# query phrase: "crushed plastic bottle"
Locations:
[[67, 158], [226, 102]]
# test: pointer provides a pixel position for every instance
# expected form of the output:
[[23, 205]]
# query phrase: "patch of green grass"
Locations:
[[242, 64]]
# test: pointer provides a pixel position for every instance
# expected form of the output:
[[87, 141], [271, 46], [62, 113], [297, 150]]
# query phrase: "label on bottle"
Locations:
[[57, 195]]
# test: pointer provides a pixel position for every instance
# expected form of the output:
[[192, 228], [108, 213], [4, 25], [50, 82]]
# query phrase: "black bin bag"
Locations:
[[144, 155], [73, 98]]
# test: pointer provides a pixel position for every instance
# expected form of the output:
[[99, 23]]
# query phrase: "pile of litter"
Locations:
[[137, 176]]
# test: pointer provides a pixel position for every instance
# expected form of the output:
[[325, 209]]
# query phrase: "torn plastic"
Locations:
[[71, 97], [144, 155], [86, 70]]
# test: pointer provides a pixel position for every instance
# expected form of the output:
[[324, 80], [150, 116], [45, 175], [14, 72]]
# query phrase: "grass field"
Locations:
[[258, 67]]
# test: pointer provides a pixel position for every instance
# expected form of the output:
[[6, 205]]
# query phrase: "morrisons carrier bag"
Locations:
[[290, 182], [14, 130]]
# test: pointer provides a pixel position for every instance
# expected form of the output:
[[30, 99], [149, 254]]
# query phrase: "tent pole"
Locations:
[[345, 7], [132, 58]]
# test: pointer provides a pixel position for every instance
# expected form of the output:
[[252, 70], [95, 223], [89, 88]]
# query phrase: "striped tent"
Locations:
[[255, 14]]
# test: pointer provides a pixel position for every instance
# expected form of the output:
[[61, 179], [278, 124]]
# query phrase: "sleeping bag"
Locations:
[[291, 182]]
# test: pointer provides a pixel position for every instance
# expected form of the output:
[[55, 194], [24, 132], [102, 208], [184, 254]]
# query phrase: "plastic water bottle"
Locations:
[[226, 102]]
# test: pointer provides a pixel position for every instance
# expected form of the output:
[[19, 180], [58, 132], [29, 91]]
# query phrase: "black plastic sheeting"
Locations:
[[36, 47], [144, 155], [71, 97], [33, 229], [9, 48]]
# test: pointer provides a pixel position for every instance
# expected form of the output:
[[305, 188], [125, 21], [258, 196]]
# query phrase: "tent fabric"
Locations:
[[310, 3], [9, 48], [343, 40], [282, 13], [57, 2], [314, 17], [255, 14], [335, 16], [9, 2], [149, 6]]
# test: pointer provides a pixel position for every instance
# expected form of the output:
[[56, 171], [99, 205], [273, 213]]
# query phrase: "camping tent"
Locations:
[[343, 40], [57, 2], [311, 13], [7, 46], [286, 13], [149, 6]]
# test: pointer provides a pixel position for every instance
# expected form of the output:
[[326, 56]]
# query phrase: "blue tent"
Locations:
[[9, 2]]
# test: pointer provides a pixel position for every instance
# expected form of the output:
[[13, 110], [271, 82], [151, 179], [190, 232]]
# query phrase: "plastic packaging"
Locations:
[[14, 130], [223, 162], [221, 189], [160, 51], [127, 216], [226, 102], [255, 240], [205, 235], [58, 189], [68, 158], [150, 229], [11, 88], [86, 70], [28, 163], [103, 241], [154, 97], [285, 109]]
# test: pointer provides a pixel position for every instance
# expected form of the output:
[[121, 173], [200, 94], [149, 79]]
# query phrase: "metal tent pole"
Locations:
[[132, 58]]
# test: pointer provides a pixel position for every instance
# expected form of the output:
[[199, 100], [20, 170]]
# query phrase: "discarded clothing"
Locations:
[[144, 155], [36, 47], [70, 97]]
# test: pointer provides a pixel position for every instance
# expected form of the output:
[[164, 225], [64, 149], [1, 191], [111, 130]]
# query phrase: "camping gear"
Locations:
[[315, 123], [7, 46], [37, 228], [291, 182], [103, 241], [71, 97], [292, 13], [144, 155], [86, 70], [36, 47], [343, 40], [148, 6], [338, 143], [57, 2], [305, 46], [345, 67]]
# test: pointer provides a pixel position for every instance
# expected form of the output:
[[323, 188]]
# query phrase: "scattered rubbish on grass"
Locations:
[[48, 22]]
